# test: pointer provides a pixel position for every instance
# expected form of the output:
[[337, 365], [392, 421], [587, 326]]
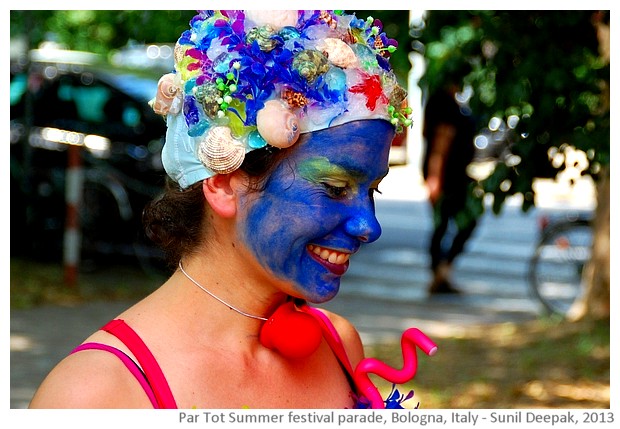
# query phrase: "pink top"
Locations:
[[150, 376], [148, 373]]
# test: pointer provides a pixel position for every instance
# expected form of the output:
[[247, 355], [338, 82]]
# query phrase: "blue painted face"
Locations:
[[317, 207]]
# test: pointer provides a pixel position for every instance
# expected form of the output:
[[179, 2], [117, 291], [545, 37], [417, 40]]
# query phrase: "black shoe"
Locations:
[[443, 288]]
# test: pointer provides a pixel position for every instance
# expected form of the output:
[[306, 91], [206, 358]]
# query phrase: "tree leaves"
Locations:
[[545, 68]]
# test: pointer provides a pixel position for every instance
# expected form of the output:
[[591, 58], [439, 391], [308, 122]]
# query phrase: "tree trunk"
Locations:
[[596, 276]]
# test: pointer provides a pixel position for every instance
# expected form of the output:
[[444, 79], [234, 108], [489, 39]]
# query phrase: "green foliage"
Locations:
[[99, 31], [102, 31], [540, 69]]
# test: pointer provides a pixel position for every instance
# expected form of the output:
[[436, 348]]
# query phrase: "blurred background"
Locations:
[[84, 160]]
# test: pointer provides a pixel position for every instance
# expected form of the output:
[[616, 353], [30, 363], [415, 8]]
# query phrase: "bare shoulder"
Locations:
[[90, 379], [349, 335]]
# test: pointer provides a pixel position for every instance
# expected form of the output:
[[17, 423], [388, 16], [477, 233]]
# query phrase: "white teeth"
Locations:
[[331, 256]]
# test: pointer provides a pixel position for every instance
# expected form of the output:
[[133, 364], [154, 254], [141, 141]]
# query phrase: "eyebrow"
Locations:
[[321, 167]]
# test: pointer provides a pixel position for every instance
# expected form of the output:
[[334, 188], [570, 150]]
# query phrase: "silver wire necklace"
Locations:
[[216, 297]]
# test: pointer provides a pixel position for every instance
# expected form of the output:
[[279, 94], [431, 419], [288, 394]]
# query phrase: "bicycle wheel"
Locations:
[[557, 265]]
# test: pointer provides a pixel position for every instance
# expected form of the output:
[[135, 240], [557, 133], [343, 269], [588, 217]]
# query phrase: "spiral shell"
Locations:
[[277, 124], [207, 95], [167, 87], [220, 152], [167, 93], [398, 97], [397, 94], [264, 37], [339, 53], [310, 63]]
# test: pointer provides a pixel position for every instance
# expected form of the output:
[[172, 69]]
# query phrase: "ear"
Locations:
[[221, 192]]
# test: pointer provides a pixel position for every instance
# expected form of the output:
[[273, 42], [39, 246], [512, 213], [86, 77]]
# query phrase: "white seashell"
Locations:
[[275, 18], [339, 53], [277, 124], [220, 152]]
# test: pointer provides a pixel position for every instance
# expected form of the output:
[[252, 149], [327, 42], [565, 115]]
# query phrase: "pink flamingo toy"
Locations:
[[411, 338]]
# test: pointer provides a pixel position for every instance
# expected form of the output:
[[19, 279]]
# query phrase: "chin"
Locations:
[[321, 296]]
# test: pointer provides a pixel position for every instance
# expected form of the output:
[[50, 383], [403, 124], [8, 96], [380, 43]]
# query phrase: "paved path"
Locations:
[[42, 336]]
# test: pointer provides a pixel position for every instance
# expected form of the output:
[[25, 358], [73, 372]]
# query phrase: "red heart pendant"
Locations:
[[292, 333]]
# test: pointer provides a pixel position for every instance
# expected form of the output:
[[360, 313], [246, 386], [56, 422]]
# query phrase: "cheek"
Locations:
[[261, 222], [277, 228], [270, 228]]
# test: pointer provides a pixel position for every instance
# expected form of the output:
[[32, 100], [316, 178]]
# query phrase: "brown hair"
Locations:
[[177, 219]]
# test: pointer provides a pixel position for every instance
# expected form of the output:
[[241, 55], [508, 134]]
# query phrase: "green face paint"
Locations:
[[320, 170]]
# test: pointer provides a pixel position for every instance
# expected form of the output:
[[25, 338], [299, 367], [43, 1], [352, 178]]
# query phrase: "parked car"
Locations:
[[61, 98]]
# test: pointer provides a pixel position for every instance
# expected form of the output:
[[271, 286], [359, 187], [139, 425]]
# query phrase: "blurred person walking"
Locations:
[[449, 132]]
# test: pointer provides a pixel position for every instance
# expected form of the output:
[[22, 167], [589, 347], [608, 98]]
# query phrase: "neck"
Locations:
[[229, 289], [217, 298]]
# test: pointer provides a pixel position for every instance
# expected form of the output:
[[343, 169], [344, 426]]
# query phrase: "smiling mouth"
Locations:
[[329, 255]]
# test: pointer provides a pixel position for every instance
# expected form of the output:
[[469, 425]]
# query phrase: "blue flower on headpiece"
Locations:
[[323, 68]]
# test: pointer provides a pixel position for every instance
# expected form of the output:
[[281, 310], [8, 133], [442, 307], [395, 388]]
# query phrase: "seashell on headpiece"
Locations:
[[310, 64], [169, 95], [264, 37], [339, 53], [277, 124], [220, 152], [244, 80]]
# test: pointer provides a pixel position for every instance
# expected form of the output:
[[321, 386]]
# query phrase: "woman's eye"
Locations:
[[335, 191]]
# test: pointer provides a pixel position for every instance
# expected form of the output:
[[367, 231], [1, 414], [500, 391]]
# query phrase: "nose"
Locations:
[[363, 224]]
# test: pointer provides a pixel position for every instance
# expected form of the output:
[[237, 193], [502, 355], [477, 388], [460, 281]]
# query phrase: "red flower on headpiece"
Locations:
[[371, 87], [198, 55]]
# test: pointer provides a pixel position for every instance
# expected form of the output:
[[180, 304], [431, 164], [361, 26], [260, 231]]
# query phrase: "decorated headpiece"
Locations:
[[247, 79]]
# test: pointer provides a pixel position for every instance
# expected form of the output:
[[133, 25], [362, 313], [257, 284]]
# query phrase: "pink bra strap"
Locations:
[[151, 368], [331, 336], [129, 363]]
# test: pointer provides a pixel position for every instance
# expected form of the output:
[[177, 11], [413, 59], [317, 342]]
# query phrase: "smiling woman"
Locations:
[[317, 207], [279, 131]]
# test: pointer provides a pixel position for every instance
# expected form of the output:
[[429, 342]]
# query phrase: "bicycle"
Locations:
[[556, 268]]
